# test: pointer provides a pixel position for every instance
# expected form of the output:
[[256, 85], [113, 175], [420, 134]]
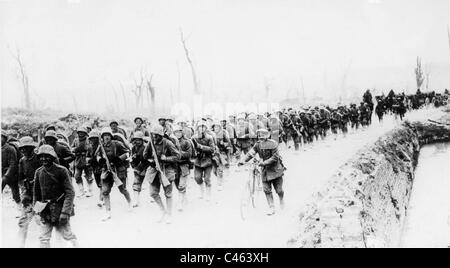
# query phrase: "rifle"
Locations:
[[116, 179], [165, 182], [439, 123]]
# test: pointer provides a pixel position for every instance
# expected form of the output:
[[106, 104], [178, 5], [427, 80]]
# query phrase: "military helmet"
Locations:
[[4, 134], [138, 135], [94, 134], [26, 141], [264, 133], [82, 129], [252, 116], [107, 131], [51, 134], [201, 123], [138, 118], [158, 130], [47, 149], [114, 122], [177, 128]]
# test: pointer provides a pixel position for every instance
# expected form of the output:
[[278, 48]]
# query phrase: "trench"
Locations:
[[427, 222]]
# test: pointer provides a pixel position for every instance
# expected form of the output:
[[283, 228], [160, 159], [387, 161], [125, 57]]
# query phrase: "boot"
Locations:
[[107, 215], [19, 210], [202, 191], [208, 193], [136, 199], [169, 202], [271, 210], [80, 190], [100, 200], [182, 202], [89, 191]]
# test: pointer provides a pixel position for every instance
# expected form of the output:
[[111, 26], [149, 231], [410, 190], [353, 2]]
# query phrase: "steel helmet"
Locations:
[[201, 123], [107, 131], [177, 128], [262, 132], [47, 149], [4, 134], [51, 134], [27, 141], [94, 134], [252, 116], [138, 135], [138, 118], [82, 129], [158, 130]]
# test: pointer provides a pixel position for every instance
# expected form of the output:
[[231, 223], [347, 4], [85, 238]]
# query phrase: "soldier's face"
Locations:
[[107, 138], [114, 127], [81, 135], [157, 138], [46, 160], [27, 151], [138, 123], [137, 142], [178, 134], [50, 141], [93, 141]]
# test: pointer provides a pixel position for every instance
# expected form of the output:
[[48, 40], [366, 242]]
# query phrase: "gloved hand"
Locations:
[[63, 219]]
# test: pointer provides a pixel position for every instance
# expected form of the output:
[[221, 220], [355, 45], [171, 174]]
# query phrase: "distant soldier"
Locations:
[[223, 146], [244, 134], [80, 148], [184, 165], [275, 128], [53, 186], [167, 155], [114, 125], [138, 163], [139, 122], [28, 165], [10, 168], [272, 167]]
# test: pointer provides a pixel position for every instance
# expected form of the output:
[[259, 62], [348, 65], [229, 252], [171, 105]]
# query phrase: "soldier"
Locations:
[[223, 144], [227, 126], [80, 148], [275, 128], [184, 165], [65, 156], [293, 128], [53, 186], [204, 145], [10, 169], [167, 155], [28, 165], [139, 122], [244, 134], [272, 167], [114, 125], [116, 153], [92, 161], [138, 163]]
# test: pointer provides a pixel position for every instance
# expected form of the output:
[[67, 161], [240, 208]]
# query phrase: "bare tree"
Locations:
[[23, 78], [138, 90], [419, 73], [151, 91], [188, 58]]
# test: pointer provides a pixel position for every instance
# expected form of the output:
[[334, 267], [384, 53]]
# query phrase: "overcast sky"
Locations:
[[77, 51]]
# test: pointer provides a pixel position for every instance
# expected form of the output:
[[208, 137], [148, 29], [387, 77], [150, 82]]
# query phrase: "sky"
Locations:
[[78, 52]]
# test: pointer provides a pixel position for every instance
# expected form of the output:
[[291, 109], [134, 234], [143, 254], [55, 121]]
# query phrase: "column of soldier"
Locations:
[[40, 174]]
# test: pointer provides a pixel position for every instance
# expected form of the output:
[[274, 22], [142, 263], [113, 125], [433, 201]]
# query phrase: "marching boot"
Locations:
[[169, 203], [80, 190], [100, 200], [208, 193], [202, 191], [136, 199], [271, 210], [107, 202], [182, 202], [89, 191]]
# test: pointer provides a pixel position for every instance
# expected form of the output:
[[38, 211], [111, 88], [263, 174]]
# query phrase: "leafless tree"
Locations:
[[23, 78], [138, 90], [191, 64], [419, 73], [151, 91]]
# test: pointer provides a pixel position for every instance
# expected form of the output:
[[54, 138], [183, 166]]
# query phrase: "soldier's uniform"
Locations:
[[203, 164], [92, 161], [80, 149], [272, 169], [10, 168], [168, 165], [184, 166], [27, 169], [139, 164], [244, 135], [53, 185]]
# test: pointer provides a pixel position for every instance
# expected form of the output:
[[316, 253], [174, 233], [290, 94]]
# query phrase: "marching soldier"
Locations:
[[28, 165], [65, 156], [184, 165], [167, 157], [10, 168], [272, 167], [80, 148], [244, 134], [53, 189], [223, 144], [114, 125], [139, 122], [116, 155], [138, 163], [204, 145], [92, 161]]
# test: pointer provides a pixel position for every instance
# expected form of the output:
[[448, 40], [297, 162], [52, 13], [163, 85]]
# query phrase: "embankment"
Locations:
[[365, 202]]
